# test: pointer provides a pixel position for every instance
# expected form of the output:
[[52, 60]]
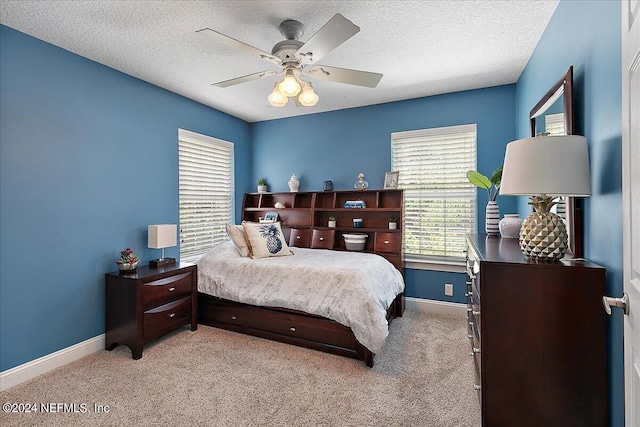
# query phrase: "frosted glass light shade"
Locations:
[[276, 98], [162, 236], [549, 165], [308, 97], [289, 86]]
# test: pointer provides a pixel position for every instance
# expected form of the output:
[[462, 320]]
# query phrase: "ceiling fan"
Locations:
[[298, 59]]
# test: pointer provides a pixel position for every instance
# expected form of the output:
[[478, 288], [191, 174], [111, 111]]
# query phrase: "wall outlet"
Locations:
[[448, 289]]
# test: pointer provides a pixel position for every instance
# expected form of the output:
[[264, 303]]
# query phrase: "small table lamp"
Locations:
[[160, 237], [543, 168]]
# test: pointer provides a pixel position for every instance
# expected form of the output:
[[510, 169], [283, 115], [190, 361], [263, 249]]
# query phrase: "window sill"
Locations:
[[448, 266]]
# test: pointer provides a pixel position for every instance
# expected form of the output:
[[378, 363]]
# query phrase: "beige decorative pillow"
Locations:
[[236, 234], [265, 239]]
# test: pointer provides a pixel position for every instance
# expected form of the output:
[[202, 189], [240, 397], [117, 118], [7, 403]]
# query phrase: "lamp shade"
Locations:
[[276, 98], [308, 97], [163, 236], [289, 86], [547, 165]]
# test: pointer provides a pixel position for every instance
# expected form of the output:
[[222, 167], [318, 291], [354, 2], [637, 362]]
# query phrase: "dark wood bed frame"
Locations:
[[289, 326], [307, 213]]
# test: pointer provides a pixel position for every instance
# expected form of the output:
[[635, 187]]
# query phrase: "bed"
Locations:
[[339, 302]]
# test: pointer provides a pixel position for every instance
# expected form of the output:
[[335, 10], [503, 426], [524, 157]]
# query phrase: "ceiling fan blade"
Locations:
[[335, 32], [229, 41], [238, 80], [344, 75]]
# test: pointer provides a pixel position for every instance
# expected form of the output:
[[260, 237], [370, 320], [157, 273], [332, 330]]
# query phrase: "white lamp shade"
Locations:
[[289, 86], [308, 97], [551, 165], [163, 236], [276, 98]]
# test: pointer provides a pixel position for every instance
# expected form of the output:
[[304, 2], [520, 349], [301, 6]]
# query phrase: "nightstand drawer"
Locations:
[[167, 317], [300, 237], [388, 242], [166, 290], [323, 239]]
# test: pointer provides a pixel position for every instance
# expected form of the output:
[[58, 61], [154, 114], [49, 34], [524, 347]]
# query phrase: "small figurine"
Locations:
[[361, 184]]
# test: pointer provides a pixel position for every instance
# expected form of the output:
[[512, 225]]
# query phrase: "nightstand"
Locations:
[[145, 304]]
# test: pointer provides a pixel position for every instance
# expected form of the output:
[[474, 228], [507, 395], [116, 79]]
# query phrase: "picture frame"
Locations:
[[391, 180], [269, 217]]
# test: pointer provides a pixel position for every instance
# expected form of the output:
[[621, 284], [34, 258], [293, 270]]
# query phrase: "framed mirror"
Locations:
[[553, 115]]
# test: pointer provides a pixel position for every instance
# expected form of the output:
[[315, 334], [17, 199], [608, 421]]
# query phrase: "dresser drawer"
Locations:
[[166, 290], [300, 237], [388, 242], [477, 383], [322, 239], [166, 317]]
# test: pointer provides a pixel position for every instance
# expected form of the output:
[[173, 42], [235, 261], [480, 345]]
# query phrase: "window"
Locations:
[[205, 192], [554, 124], [439, 200]]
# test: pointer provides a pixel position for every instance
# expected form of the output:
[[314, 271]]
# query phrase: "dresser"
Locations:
[[537, 337], [142, 305]]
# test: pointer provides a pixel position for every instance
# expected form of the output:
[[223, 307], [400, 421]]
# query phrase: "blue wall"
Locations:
[[586, 34], [338, 145], [88, 158]]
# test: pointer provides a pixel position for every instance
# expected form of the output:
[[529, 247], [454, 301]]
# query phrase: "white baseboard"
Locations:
[[436, 307], [44, 364]]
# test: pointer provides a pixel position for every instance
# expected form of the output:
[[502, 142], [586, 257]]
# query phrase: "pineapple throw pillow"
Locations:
[[265, 239]]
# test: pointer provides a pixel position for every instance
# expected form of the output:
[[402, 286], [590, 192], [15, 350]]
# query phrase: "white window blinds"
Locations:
[[554, 124], [205, 192], [439, 200]]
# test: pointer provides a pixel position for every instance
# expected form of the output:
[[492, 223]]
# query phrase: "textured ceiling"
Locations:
[[422, 47]]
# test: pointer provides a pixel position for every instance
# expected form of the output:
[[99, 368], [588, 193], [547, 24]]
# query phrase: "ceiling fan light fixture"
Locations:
[[308, 97], [289, 86], [276, 98]]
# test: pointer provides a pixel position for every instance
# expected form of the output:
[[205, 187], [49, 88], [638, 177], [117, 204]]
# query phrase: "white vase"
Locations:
[[510, 226], [294, 184], [393, 225], [332, 224], [262, 188], [492, 219]]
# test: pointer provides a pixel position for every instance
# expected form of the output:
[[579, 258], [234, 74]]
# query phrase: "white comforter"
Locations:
[[354, 289]]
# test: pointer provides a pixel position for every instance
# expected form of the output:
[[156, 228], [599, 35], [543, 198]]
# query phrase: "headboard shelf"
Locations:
[[308, 211]]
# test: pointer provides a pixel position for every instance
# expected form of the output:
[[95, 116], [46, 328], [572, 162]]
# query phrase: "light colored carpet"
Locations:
[[213, 377]]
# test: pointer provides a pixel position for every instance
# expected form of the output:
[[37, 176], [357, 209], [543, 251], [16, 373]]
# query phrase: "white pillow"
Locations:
[[265, 239], [236, 234]]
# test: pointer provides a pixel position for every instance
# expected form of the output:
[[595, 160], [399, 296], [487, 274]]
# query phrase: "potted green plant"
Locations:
[[332, 221], [262, 185], [492, 185], [393, 223]]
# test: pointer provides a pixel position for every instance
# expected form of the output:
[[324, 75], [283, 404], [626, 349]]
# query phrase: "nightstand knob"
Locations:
[[386, 242], [292, 329], [172, 315], [172, 289], [234, 317], [298, 237], [321, 239]]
